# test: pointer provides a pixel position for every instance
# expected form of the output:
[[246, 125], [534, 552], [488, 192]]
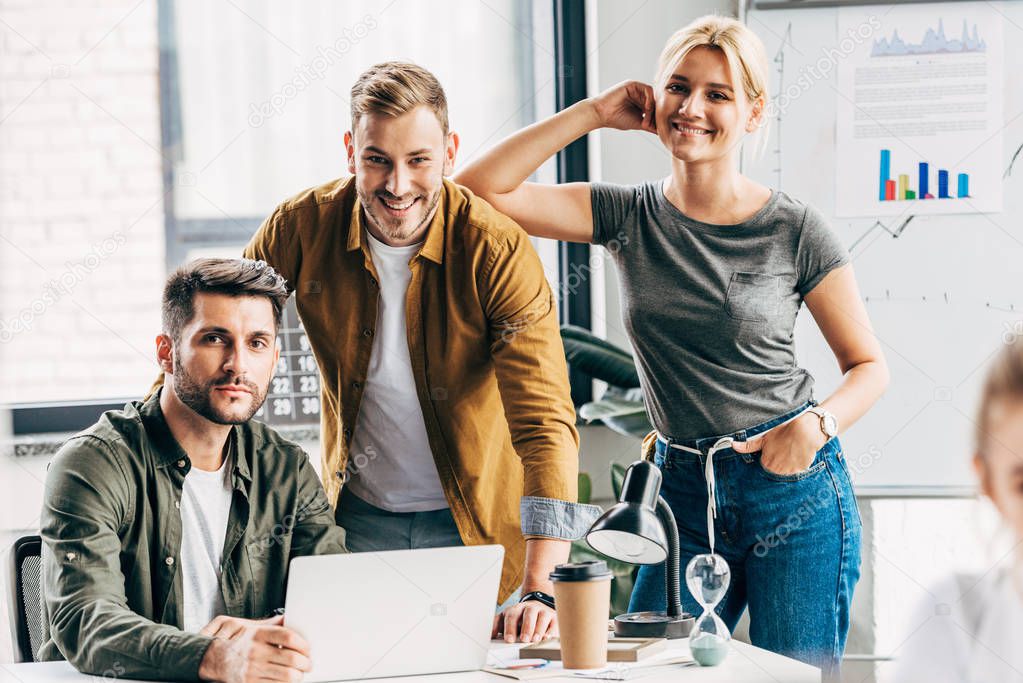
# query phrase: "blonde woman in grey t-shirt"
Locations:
[[714, 268]]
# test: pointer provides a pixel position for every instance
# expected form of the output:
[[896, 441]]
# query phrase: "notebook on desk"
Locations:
[[395, 613]]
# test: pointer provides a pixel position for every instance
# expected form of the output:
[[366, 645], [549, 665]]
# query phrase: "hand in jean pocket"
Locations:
[[789, 448]]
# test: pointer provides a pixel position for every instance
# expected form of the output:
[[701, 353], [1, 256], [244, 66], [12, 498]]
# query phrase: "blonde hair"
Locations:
[[743, 50], [1004, 382], [395, 88]]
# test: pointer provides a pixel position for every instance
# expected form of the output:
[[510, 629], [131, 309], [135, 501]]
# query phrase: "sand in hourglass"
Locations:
[[707, 577]]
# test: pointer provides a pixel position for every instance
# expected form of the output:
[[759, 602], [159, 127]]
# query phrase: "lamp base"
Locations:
[[653, 625]]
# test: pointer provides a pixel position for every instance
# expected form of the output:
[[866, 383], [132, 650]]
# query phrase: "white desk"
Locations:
[[744, 664]]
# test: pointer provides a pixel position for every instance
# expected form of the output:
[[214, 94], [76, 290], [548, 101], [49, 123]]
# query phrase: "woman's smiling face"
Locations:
[[701, 114]]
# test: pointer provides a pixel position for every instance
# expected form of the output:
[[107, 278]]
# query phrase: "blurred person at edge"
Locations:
[[969, 627]]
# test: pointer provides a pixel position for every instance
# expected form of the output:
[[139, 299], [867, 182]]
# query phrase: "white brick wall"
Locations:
[[81, 217], [81, 210]]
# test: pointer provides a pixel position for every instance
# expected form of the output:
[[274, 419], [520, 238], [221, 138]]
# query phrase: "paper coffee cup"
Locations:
[[582, 598]]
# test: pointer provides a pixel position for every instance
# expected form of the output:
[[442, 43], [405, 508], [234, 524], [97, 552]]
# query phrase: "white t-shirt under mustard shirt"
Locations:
[[390, 463]]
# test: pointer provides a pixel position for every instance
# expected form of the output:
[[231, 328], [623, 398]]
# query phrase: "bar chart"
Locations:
[[899, 188]]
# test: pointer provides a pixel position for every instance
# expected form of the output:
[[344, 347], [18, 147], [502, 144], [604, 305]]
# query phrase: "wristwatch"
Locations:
[[539, 596], [829, 423]]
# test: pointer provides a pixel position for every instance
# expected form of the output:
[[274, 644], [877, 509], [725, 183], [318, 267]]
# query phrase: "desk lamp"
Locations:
[[640, 529]]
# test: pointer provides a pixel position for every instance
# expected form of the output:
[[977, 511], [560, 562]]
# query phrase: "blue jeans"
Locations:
[[792, 542]]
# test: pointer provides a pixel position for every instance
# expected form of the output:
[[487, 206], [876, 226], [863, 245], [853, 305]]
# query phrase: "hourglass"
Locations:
[[708, 576]]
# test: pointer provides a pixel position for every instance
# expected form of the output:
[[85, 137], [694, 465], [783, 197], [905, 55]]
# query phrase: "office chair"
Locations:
[[26, 597]]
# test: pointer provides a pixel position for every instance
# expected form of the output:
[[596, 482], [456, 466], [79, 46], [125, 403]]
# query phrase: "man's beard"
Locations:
[[390, 227], [196, 395]]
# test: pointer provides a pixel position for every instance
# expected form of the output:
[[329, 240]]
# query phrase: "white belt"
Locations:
[[708, 471]]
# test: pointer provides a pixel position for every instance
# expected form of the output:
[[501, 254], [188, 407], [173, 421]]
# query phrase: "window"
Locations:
[[177, 133], [256, 105], [257, 101]]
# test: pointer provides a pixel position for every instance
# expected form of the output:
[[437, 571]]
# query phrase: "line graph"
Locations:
[[878, 225], [1012, 162], [934, 42]]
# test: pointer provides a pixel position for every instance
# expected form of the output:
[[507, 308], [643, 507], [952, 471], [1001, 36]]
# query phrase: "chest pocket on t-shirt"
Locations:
[[752, 296]]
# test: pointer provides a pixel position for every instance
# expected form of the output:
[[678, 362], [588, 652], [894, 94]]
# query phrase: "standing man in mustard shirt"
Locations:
[[447, 417]]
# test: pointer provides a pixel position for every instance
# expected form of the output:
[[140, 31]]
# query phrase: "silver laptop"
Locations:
[[395, 613]]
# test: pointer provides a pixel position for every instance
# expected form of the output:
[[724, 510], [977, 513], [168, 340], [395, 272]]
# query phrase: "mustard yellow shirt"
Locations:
[[485, 349]]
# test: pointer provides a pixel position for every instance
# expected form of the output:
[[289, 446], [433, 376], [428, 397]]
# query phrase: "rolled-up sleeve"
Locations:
[[553, 518]]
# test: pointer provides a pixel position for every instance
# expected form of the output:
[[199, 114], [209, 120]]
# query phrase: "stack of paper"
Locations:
[[503, 661]]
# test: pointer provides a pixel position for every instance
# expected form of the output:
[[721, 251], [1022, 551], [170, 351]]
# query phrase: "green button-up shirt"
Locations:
[[111, 530]]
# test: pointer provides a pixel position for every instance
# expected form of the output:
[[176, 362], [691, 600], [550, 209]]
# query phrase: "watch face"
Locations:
[[830, 425]]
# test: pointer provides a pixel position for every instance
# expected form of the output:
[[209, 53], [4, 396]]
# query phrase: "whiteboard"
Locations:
[[943, 292]]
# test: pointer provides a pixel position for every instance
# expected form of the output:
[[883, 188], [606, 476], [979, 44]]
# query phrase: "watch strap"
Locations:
[[823, 415], [539, 596]]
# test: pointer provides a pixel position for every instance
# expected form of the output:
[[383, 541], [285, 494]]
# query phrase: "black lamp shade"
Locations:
[[631, 531], [641, 529]]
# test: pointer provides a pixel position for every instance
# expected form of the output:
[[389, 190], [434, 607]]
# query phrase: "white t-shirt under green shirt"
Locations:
[[205, 508]]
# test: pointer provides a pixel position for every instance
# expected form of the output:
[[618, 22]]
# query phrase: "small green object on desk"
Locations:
[[708, 649]]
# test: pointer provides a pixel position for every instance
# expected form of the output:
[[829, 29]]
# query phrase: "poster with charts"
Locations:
[[919, 115]]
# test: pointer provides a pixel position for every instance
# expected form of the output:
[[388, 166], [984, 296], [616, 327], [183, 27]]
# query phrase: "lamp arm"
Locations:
[[672, 589]]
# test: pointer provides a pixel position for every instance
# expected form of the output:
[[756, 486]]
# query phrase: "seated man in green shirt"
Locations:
[[168, 525]]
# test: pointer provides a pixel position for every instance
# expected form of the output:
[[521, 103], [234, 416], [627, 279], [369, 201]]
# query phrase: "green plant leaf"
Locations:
[[617, 478], [598, 358], [634, 394], [630, 424], [609, 407], [582, 334], [585, 488]]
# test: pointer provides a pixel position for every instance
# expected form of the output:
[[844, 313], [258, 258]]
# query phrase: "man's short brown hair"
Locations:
[[230, 276], [396, 88]]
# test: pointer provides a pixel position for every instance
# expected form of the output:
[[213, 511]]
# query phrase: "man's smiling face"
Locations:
[[399, 164]]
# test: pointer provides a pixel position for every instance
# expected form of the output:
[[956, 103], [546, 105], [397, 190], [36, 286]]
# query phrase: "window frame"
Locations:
[[576, 307]]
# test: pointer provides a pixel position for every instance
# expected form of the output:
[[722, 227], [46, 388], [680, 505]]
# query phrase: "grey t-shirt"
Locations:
[[710, 309]]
